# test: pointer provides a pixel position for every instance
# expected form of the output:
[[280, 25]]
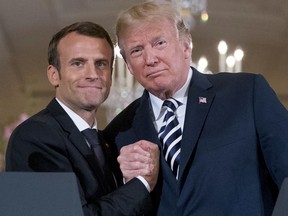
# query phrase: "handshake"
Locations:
[[140, 159]]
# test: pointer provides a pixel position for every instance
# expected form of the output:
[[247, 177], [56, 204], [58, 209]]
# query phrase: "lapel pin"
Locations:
[[202, 100]]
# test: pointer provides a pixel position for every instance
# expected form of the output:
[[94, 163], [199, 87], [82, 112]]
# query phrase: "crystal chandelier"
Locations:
[[190, 9]]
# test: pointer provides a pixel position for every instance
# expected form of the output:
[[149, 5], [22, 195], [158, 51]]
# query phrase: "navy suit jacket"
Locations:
[[50, 142], [234, 148]]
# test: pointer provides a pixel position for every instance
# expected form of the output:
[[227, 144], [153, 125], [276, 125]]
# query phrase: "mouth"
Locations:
[[91, 87], [153, 74]]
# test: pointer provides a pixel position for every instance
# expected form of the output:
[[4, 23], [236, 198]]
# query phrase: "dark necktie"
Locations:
[[91, 136], [170, 135]]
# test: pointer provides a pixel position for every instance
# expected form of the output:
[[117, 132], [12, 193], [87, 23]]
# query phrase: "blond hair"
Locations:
[[149, 12]]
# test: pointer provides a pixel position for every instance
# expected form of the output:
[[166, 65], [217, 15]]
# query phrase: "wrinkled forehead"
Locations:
[[144, 28]]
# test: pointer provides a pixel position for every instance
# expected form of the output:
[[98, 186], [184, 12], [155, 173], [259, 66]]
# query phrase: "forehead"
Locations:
[[141, 30], [74, 43]]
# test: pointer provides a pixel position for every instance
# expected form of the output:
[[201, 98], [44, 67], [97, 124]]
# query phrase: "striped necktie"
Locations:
[[170, 135]]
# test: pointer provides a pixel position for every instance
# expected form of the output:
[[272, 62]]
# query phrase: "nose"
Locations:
[[150, 57], [92, 72]]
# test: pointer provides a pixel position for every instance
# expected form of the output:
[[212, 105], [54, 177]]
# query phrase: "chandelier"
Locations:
[[190, 9], [228, 62]]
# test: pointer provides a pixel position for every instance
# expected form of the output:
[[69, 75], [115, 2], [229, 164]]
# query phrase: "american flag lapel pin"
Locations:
[[202, 100]]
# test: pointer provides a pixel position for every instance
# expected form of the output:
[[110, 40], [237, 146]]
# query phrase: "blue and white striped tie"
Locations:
[[170, 135]]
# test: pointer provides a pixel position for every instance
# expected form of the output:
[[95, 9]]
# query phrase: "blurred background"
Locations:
[[258, 28]]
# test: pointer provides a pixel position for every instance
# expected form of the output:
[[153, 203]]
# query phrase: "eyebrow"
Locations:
[[85, 59], [77, 59]]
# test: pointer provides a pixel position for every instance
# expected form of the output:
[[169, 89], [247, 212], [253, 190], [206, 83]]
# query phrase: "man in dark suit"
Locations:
[[80, 66], [233, 139]]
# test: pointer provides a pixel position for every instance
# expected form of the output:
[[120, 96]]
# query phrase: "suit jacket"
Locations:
[[51, 142], [234, 148]]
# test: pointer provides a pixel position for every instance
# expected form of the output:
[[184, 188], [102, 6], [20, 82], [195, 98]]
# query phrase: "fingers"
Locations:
[[131, 173], [147, 146], [139, 159], [139, 168], [154, 151], [134, 153]]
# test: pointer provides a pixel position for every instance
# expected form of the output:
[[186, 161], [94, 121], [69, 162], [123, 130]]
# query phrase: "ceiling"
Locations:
[[260, 27]]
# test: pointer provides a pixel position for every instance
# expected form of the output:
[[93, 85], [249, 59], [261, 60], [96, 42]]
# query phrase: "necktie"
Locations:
[[91, 136], [170, 135]]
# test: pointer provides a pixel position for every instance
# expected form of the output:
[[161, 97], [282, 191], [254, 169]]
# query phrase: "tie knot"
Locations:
[[172, 103], [92, 136]]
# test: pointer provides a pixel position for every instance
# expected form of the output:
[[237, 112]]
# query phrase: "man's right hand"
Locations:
[[140, 159]]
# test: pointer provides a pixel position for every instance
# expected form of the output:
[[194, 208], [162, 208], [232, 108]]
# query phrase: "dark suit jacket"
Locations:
[[234, 149], [51, 142]]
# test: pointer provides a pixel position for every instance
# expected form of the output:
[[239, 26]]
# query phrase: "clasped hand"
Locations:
[[140, 159]]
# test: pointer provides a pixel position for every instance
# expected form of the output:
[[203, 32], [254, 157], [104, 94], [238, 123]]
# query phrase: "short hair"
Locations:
[[151, 11], [83, 28]]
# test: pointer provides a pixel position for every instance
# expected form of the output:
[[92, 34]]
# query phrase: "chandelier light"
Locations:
[[190, 9], [232, 63], [228, 62]]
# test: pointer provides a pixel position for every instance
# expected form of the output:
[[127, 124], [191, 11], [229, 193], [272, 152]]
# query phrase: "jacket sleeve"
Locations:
[[271, 119], [130, 199], [35, 147]]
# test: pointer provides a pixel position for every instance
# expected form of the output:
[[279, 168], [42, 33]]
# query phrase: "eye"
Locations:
[[102, 65], [161, 43], [135, 52], [77, 63]]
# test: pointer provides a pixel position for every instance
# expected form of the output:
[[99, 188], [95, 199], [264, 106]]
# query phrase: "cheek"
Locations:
[[109, 83], [108, 79], [135, 65]]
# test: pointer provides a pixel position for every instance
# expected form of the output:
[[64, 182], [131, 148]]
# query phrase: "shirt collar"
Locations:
[[180, 95], [80, 123]]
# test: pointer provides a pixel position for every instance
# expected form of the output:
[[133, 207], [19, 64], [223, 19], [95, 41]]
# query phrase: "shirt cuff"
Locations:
[[143, 180]]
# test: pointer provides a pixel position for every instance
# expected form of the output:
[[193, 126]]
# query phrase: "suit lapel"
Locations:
[[68, 126], [106, 179], [200, 98], [143, 123], [76, 139], [111, 174], [73, 134]]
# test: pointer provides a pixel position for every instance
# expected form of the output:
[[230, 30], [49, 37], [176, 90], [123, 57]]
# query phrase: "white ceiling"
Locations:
[[260, 27]]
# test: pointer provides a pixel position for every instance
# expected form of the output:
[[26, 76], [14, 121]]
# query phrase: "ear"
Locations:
[[187, 48], [53, 75]]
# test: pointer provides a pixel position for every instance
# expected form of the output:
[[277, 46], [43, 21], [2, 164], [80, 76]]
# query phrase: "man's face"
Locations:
[[84, 81], [156, 56]]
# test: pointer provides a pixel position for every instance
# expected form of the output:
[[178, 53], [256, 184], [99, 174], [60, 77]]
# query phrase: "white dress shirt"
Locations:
[[181, 96]]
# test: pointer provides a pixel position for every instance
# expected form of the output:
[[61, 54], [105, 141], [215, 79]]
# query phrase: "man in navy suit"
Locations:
[[233, 152], [80, 69]]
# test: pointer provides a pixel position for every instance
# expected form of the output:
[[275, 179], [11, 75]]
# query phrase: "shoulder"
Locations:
[[41, 126], [128, 113], [236, 80], [232, 77], [122, 121]]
